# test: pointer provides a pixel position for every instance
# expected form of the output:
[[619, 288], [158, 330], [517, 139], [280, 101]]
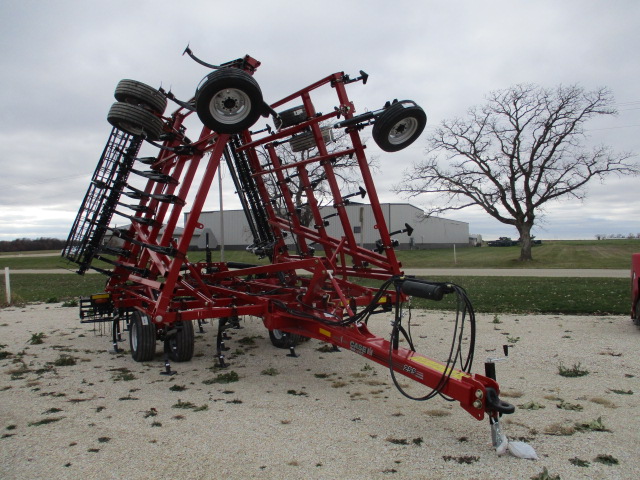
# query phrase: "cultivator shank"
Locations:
[[153, 284]]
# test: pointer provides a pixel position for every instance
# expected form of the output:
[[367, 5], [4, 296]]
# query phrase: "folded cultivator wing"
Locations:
[[158, 293]]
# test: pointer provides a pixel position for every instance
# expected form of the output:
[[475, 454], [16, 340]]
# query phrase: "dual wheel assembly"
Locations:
[[143, 335], [229, 100]]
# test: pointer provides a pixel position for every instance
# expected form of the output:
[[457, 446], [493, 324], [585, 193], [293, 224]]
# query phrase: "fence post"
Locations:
[[7, 284]]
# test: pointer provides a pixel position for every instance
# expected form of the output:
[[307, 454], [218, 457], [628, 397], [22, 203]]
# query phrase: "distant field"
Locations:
[[607, 254], [489, 294], [615, 254]]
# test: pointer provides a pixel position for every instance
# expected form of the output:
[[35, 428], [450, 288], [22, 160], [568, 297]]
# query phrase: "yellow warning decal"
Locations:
[[324, 332], [433, 365]]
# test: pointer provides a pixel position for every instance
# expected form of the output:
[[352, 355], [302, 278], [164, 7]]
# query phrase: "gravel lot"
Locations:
[[319, 416]]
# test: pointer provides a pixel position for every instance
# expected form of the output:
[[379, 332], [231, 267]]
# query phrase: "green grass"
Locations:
[[38, 288], [614, 254], [538, 295]]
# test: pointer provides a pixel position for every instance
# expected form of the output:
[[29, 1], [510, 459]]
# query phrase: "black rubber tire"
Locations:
[[398, 127], [229, 101], [280, 341], [142, 337], [292, 116], [138, 93], [135, 120], [182, 343], [306, 141]]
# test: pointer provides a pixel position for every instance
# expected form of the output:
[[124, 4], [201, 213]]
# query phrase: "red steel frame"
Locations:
[[170, 289]]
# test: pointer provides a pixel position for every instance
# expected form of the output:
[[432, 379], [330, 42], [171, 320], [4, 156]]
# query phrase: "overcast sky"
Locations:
[[61, 61]]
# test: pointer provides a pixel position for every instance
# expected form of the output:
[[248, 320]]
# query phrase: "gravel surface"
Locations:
[[322, 415]]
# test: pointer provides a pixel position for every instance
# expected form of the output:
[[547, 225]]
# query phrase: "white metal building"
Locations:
[[428, 232]]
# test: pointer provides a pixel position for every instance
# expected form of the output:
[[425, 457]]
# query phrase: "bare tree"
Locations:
[[522, 149]]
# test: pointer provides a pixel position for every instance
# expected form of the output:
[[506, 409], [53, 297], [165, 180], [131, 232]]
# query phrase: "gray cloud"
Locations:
[[61, 61]]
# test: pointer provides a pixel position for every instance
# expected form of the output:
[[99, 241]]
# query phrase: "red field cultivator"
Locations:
[[156, 293]]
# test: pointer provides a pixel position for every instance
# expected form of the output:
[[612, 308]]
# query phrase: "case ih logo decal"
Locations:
[[360, 349]]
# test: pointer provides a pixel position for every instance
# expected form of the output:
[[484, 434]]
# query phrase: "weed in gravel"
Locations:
[[321, 375], [156, 424], [104, 439], [37, 338], [65, 361], [70, 303], [532, 406], [45, 421], [606, 460], [496, 320], [228, 377], [576, 407], [4, 353], [52, 410], [339, 384], [513, 339], [545, 475], [578, 462], [299, 394], [610, 353], [270, 372], [190, 406], [397, 441], [177, 388], [235, 401], [592, 426], [462, 459], [575, 371], [152, 412], [128, 397], [122, 374], [417, 441], [622, 392]]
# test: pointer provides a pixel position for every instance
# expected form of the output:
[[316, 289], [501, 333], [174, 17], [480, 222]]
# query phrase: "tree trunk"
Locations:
[[525, 242]]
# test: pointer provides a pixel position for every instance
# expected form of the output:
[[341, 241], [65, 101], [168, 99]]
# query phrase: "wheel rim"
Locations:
[[403, 130], [134, 337], [277, 334], [230, 106]]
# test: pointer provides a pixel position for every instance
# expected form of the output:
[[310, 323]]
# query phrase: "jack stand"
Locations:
[[292, 352], [497, 437], [167, 364], [336, 348]]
